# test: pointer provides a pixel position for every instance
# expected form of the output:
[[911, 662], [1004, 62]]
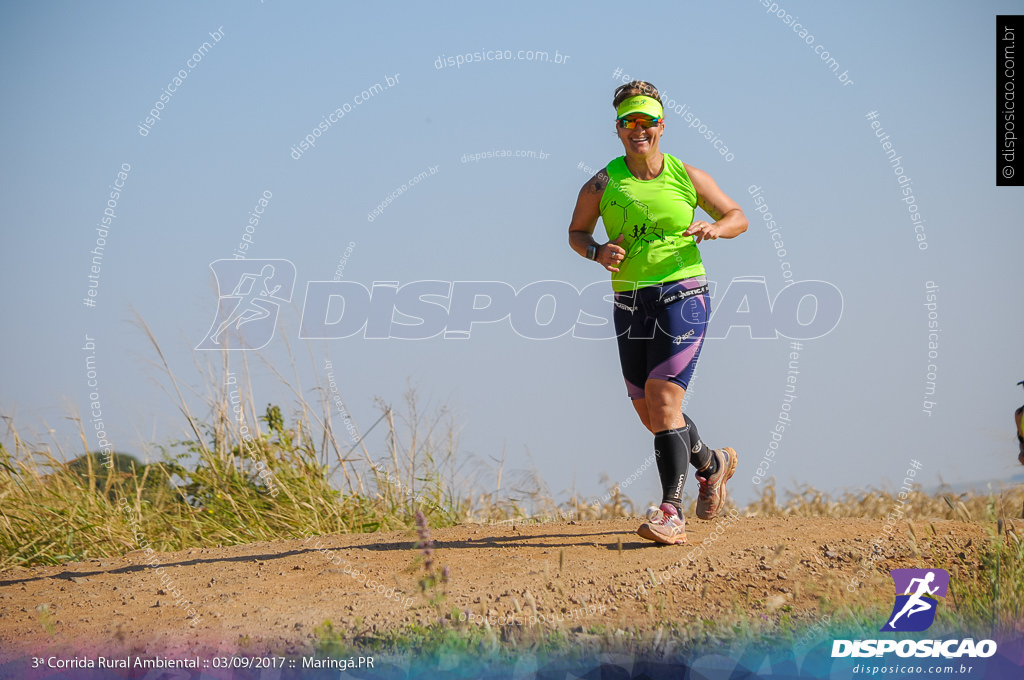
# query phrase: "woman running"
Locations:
[[646, 200]]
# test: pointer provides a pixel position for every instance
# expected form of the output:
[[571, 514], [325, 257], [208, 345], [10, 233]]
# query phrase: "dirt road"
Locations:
[[270, 596]]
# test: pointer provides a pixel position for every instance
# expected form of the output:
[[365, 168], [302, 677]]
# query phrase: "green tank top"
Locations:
[[653, 215]]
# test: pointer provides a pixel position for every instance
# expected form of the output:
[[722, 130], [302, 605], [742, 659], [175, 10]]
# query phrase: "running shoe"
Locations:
[[664, 525], [712, 495]]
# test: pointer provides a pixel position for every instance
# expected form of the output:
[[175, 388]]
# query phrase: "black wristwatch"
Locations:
[[592, 252]]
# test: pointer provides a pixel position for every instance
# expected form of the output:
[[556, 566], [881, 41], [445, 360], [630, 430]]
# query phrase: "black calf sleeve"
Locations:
[[700, 454], [671, 448]]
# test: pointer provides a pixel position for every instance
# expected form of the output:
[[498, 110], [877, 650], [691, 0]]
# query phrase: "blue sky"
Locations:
[[80, 78]]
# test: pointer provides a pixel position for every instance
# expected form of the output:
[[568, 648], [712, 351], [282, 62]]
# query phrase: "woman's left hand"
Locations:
[[702, 230]]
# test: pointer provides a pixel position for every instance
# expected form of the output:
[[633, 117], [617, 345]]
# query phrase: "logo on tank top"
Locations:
[[639, 226]]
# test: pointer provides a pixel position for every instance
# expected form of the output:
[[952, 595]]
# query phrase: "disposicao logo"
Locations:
[[914, 610], [917, 593], [249, 296]]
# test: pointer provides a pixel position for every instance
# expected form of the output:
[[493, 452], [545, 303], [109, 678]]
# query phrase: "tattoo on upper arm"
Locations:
[[710, 208], [598, 182]]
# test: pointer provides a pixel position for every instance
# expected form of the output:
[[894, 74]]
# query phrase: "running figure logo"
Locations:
[[640, 228], [247, 316], [914, 610]]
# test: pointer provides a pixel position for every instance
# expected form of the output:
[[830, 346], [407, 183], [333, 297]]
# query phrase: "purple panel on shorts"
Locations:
[[633, 391], [676, 363]]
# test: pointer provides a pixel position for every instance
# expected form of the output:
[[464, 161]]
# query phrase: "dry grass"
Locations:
[[247, 475], [1004, 503]]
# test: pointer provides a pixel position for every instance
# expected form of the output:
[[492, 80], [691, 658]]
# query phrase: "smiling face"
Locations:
[[640, 141]]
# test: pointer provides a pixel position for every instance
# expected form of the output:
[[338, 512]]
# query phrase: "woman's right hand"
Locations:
[[610, 254]]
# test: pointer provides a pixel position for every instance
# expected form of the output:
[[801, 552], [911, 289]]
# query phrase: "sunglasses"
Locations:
[[645, 123]]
